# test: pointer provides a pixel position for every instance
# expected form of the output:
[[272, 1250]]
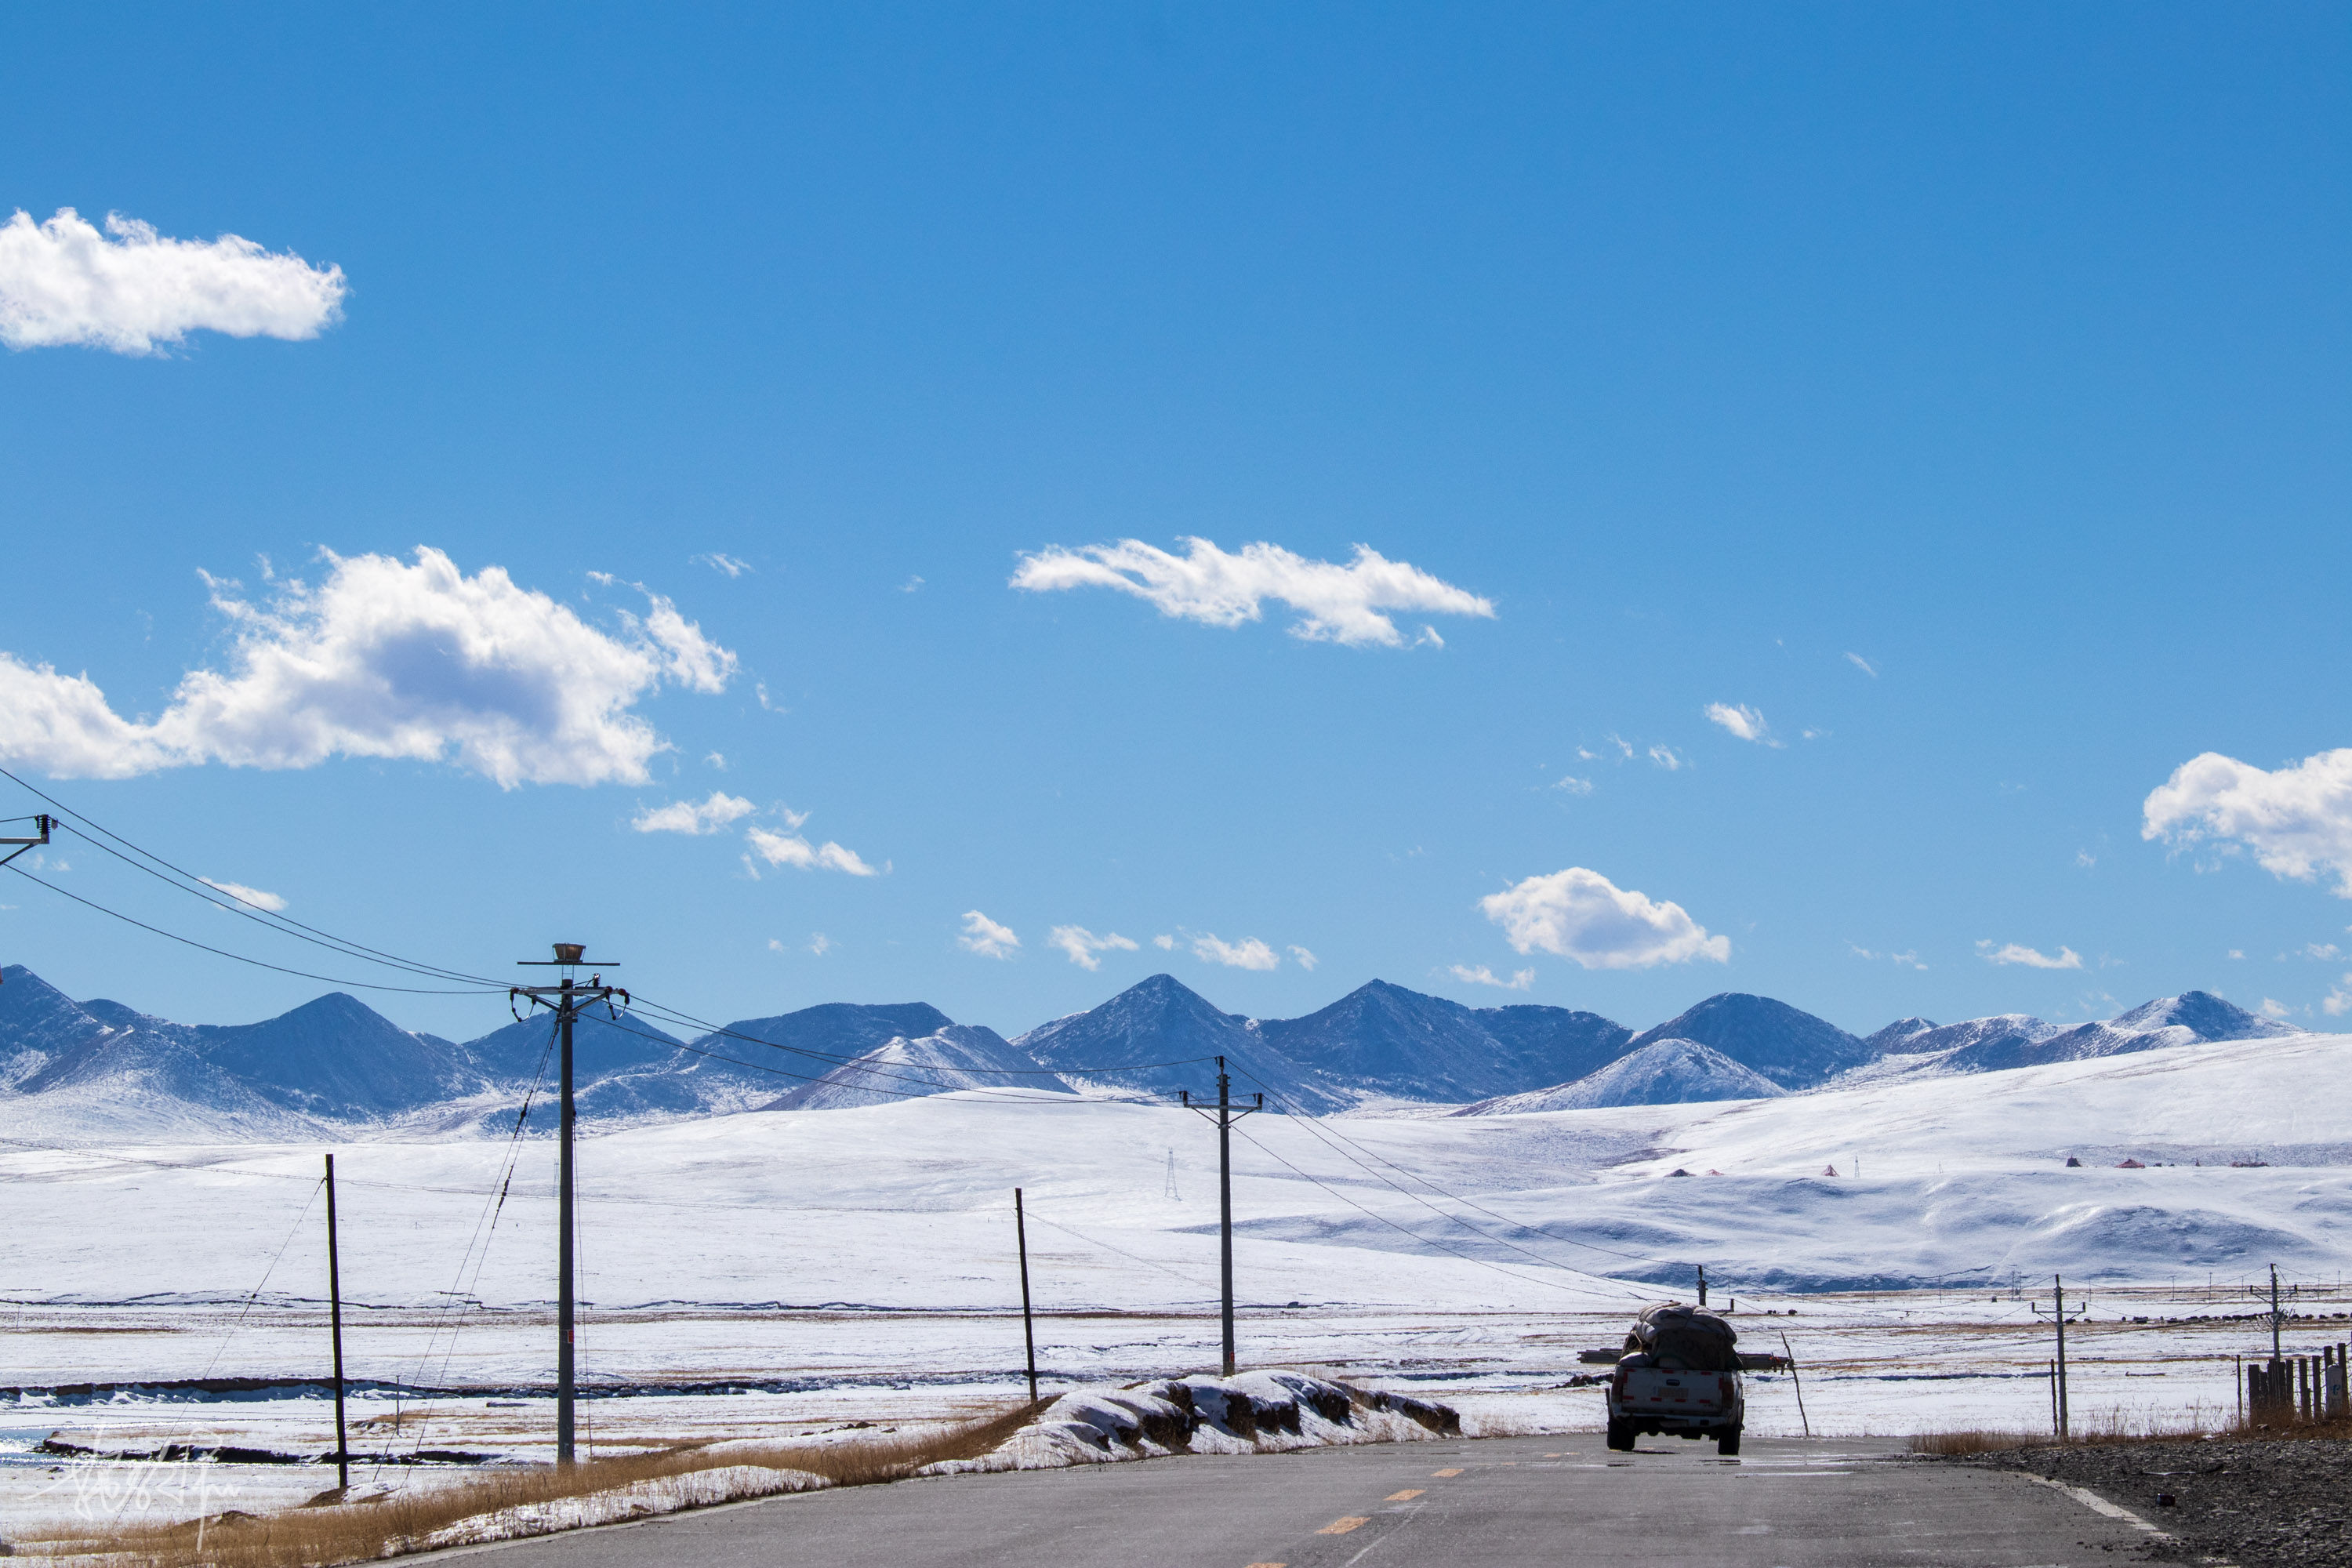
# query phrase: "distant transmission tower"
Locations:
[[1169, 1190]]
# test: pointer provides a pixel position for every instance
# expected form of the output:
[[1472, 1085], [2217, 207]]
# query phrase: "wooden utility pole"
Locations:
[[1028, 1328], [568, 997], [2058, 1367], [335, 1318], [1224, 1117]]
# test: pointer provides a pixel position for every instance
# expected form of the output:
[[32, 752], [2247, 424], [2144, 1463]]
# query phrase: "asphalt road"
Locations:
[[1489, 1502]]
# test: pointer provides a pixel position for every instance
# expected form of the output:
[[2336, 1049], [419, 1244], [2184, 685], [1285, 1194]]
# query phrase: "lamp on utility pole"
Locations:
[[1224, 1117], [43, 821], [568, 997]]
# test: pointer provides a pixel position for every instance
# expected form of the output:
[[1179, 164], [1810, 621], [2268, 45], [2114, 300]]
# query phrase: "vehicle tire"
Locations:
[[1621, 1436], [1727, 1442]]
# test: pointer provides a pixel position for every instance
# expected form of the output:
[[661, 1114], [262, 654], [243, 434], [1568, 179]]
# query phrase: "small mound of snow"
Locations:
[[1665, 1072], [1253, 1413]]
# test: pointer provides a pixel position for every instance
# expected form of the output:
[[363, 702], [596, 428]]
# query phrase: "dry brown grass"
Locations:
[[352, 1532], [2115, 1429]]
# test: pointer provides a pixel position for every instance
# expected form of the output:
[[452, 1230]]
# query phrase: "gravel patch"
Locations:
[[2279, 1504]]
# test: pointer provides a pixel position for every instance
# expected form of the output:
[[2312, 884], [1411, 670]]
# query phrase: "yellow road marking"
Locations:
[[1341, 1526], [1444, 1473], [1405, 1496]]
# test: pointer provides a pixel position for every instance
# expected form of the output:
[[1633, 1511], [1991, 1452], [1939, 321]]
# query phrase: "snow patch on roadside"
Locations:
[[639, 1500], [1253, 1412]]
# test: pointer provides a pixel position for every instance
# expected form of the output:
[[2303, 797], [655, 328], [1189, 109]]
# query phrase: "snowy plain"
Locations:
[[780, 1271]]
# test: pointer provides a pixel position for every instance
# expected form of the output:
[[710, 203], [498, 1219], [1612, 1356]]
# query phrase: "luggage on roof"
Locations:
[[1684, 1336]]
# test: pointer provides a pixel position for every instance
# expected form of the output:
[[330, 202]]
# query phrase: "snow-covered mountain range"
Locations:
[[98, 1070]]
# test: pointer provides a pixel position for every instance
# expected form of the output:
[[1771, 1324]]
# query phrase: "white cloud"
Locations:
[[390, 660], [1480, 976], [717, 760], [986, 938], [1904, 960], [1250, 953], [2270, 1009], [2322, 951], [1082, 944], [2236, 952], [2338, 1001], [819, 943], [911, 585], [719, 561], [63, 282], [1665, 757], [2014, 952], [2085, 860], [712, 815], [775, 944], [1164, 944], [1862, 665], [1743, 721], [253, 895], [1574, 785], [791, 849], [1305, 960], [2297, 820], [1335, 604], [1580, 915]]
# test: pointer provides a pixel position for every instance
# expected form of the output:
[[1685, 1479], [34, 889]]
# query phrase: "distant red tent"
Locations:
[[1829, 1170], [2129, 1165]]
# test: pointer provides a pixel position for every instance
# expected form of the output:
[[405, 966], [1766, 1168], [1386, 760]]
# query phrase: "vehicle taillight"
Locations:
[[1617, 1385], [1723, 1385]]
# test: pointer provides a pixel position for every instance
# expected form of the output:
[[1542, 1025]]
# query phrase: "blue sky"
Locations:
[[1958, 394]]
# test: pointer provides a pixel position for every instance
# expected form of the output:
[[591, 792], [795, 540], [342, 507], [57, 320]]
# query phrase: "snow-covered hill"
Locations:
[[2016, 1040], [956, 1056], [1663, 1072], [1793, 1049]]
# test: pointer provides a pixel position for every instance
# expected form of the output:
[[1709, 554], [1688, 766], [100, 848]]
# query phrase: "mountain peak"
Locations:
[[1793, 1049], [2203, 1014]]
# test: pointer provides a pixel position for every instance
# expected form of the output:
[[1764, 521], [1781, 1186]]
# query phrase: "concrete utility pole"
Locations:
[[568, 997], [1224, 1117]]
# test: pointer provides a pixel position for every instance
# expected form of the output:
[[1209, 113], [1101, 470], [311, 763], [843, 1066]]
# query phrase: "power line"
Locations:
[[1321, 1129], [284, 920], [241, 958], [1426, 1241]]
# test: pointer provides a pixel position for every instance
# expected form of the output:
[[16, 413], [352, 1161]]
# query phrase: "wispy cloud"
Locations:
[[243, 894], [1250, 953], [1572, 785], [1480, 976], [2297, 821], [1902, 960], [2031, 958], [703, 817], [2272, 1009], [791, 849], [911, 585], [1082, 944], [2339, 1000], [1862, 665], [1164, 944], [1666, 757], [1304, 959], [1742, 721], [1347, 604], [385, 661], [63, 282], [718, 561], [1582, 916], [986, 938]]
